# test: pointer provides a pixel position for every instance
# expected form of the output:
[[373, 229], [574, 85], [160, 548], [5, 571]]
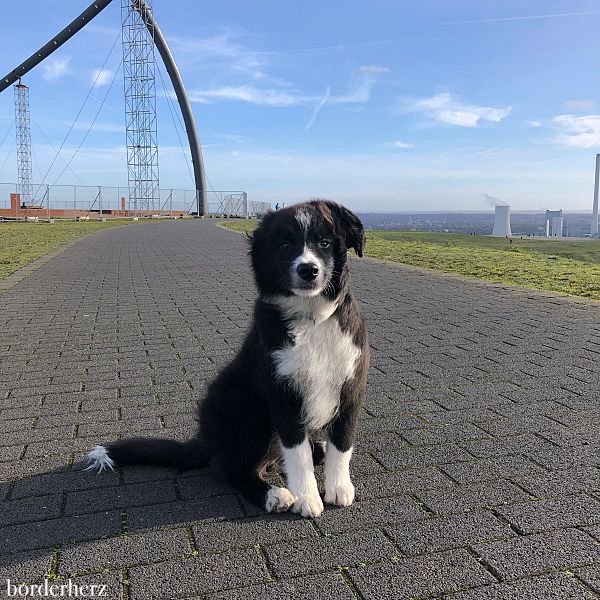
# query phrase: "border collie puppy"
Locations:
[[302, 369]]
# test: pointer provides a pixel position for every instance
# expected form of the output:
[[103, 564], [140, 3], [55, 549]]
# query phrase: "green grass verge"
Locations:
[[21, 243], [569, 266]]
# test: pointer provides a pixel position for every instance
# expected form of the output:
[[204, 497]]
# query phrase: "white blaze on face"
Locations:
[[303, 218]]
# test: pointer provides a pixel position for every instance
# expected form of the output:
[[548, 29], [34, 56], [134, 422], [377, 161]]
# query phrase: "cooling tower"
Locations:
[[502, 221], [595, 208]]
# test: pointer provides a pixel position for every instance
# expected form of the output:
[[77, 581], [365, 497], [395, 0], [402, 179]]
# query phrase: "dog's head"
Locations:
[[301, 250]]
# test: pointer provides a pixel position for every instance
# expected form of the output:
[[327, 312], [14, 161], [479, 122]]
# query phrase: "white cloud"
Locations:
[[101, 77], [534, 123], [579, 105], [577, 131], [399, 145], [55, 68], [223, 52], [252, 95], [374, 69], [446, 108], [360, 92], [364, 78]]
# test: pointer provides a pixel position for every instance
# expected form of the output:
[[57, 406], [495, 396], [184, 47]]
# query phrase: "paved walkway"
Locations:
[[477, 469]]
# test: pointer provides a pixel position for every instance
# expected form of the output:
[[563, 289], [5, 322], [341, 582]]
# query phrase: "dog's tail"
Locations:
[[149, 451]]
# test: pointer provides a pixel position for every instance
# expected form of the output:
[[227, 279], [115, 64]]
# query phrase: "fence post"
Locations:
[[48, 201], [74, 197], [100, 200]]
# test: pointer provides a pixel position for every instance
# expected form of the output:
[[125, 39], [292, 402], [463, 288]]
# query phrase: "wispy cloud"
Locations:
[[577, 131], [399, 145], [364, 78], [223, 52], [101, 77], [55, 68], [317, 109], [526, 17], [579, 105], [252, 95], [446, 108], [533, 123]]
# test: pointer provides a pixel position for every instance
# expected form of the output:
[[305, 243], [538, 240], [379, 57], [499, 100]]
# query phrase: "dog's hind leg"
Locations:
[[269, 497]]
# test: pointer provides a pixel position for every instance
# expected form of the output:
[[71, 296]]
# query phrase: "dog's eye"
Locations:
[[324, 244], [285, 245]]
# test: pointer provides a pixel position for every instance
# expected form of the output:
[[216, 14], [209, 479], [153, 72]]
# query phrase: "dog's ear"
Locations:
[[350, 226]]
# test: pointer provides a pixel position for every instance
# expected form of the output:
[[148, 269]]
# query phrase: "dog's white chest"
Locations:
[[321, 359]]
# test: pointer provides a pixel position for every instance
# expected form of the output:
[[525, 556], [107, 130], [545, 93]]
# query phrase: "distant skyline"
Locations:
[[422, 105]]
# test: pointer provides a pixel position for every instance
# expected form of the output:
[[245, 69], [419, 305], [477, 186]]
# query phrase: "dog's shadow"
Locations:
[[49, 518]]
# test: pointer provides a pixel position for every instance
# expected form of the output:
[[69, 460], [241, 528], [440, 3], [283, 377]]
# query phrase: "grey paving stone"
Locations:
[[123, 496], [122, 551], [591, 575], [569, 481], [444, 434], [185, 511], [444, 533], [223, 535], [58, 531], [391, 484], [406, 458], [368, 513], [537, 516], [25, 566], [57, 482], [491, 469], [291, 559], [430, 575], [195, 576], [471, 496], [541, 552], [30, 509], [327, 585], [546, 587]]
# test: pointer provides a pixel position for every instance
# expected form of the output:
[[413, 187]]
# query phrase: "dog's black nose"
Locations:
[[308, 271]]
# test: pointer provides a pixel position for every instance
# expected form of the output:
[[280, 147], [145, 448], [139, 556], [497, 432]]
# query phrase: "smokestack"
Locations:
[[595, 209], [502, 221]]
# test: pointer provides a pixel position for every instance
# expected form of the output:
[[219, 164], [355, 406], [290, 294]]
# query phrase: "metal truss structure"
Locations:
[[139, 71], [23, 129]]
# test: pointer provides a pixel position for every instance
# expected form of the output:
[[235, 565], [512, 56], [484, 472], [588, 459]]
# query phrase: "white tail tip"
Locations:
[[99, 460]]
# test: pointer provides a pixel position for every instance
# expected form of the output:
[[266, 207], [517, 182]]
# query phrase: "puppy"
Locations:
[[302, 369]]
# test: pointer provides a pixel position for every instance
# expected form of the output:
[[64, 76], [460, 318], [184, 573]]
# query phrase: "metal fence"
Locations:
[[77, 201]]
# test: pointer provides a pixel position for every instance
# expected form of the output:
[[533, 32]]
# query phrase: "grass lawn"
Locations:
[[567, 266], [21, 243]]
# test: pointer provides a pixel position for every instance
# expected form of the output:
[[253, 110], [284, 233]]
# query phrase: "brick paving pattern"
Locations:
[[477, 466]]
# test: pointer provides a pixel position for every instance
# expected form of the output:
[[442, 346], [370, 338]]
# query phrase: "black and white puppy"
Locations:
[[302, 369]]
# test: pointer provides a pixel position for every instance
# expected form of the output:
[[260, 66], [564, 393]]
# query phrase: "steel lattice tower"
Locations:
[[23, 128], [139, 70]]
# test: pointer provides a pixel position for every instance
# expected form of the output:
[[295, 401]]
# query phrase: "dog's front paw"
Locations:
[[340, 494], [279, 499], [308, 505]]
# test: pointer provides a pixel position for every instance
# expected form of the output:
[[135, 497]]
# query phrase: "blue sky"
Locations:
[[412, 105]]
